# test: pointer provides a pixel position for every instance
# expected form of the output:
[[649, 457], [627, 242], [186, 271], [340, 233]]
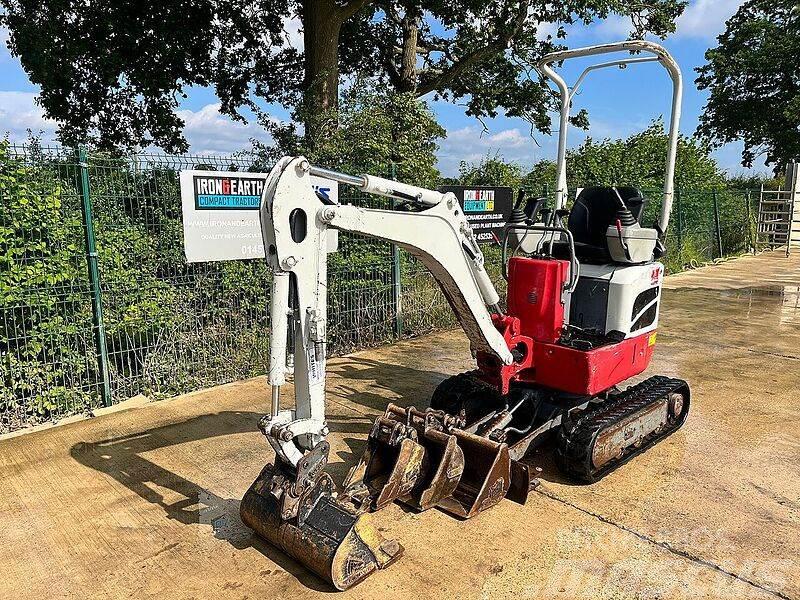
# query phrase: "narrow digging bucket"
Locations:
[[486, 478], [395, 463], [395, 472], [444, 468], [327, 537]]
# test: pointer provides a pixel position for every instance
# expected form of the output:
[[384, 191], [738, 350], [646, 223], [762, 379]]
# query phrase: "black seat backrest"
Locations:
[[595, 210]]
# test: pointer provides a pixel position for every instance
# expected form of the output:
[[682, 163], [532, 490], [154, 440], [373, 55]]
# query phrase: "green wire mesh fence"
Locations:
[[97, 303]]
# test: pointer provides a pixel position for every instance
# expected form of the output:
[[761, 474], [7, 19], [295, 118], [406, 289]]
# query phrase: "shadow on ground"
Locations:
[[123, 457]]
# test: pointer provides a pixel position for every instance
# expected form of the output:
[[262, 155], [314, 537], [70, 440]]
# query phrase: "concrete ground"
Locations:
[[144, 502]]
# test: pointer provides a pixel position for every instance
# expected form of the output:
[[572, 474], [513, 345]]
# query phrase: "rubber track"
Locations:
[[576, 438]]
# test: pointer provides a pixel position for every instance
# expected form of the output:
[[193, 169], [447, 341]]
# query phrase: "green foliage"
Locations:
[[376, 129], [491, 170], [44, 341], [640, 160], [751, 77], [746, 181], [170, 327], [113, 73]]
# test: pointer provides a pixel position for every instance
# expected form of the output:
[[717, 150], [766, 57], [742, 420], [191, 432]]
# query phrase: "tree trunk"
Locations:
[[408, 58], [322, 23]]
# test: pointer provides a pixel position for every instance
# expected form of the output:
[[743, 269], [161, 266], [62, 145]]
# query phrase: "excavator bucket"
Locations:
[[486, 478], [392, 472], [391, 464], [445, 466], [424, 459], [326, 536], [408, 458]]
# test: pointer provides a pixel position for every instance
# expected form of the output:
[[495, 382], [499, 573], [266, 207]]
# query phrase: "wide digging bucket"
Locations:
[[327, 537], [486, 478]]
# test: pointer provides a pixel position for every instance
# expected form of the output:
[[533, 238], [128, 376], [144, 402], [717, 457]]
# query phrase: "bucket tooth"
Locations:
[[486, 478], [445, 466], [328, 537]]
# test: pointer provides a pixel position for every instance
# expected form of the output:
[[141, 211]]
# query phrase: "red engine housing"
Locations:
[[533, 327], [534, 296]]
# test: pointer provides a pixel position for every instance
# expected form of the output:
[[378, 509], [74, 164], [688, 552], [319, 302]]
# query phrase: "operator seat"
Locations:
[[594, 211]]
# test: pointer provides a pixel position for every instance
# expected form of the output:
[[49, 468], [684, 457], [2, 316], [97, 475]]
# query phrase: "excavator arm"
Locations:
[[295, 225], [419, 457]]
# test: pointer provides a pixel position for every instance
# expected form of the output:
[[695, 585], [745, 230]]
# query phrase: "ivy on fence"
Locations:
[[97, 303]]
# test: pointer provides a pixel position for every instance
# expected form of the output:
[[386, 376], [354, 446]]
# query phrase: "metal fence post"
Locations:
[[750, 241], [716, 222], [397, 291], [679, 221], [94, 279]]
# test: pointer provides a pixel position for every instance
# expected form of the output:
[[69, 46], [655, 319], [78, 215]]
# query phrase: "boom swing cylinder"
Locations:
[[581, 317]]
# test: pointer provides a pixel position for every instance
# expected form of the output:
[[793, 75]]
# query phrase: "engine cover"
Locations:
[[617, 298], [535, 287]]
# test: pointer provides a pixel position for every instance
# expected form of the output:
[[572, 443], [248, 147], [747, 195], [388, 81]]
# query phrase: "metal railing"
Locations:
[[97, 303]]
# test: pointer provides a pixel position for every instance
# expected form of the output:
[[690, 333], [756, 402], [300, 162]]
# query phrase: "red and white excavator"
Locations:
[[584, 289]]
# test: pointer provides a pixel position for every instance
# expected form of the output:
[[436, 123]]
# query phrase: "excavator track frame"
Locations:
[[578, 437]]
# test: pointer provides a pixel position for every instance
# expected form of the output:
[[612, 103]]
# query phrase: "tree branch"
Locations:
[[350, 8], [477, 55]]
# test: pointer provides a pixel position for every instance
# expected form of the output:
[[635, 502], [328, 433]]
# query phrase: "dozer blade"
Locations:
[[326, 536], [486, 478]]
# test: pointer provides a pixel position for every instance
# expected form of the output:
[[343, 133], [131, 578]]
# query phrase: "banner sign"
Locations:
[[220, 213], [487, 209]]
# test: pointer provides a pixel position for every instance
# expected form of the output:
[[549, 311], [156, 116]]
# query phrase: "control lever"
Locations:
[[560, 214]]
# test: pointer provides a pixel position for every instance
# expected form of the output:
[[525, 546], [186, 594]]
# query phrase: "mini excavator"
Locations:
[[584, 289]]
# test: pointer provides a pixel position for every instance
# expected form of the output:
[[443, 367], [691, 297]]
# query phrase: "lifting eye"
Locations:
[[297, 224]]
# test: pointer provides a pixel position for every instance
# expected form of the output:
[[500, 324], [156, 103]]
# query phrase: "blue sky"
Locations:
[[619, 102]]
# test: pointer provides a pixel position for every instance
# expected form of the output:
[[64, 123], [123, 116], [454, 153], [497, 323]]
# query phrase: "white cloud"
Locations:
[[292, 27], [544, 29], [207, 131], [20, 113], [471, 144], [5, 55], [702, 19], [705, 19], [614, 28], [210, 132]]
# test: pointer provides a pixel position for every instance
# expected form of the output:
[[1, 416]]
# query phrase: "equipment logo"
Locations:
[[227, 193], [478, 200], [234, 193], [655, 274]]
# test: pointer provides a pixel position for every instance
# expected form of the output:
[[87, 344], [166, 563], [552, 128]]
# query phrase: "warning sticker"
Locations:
[[316, 368]]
